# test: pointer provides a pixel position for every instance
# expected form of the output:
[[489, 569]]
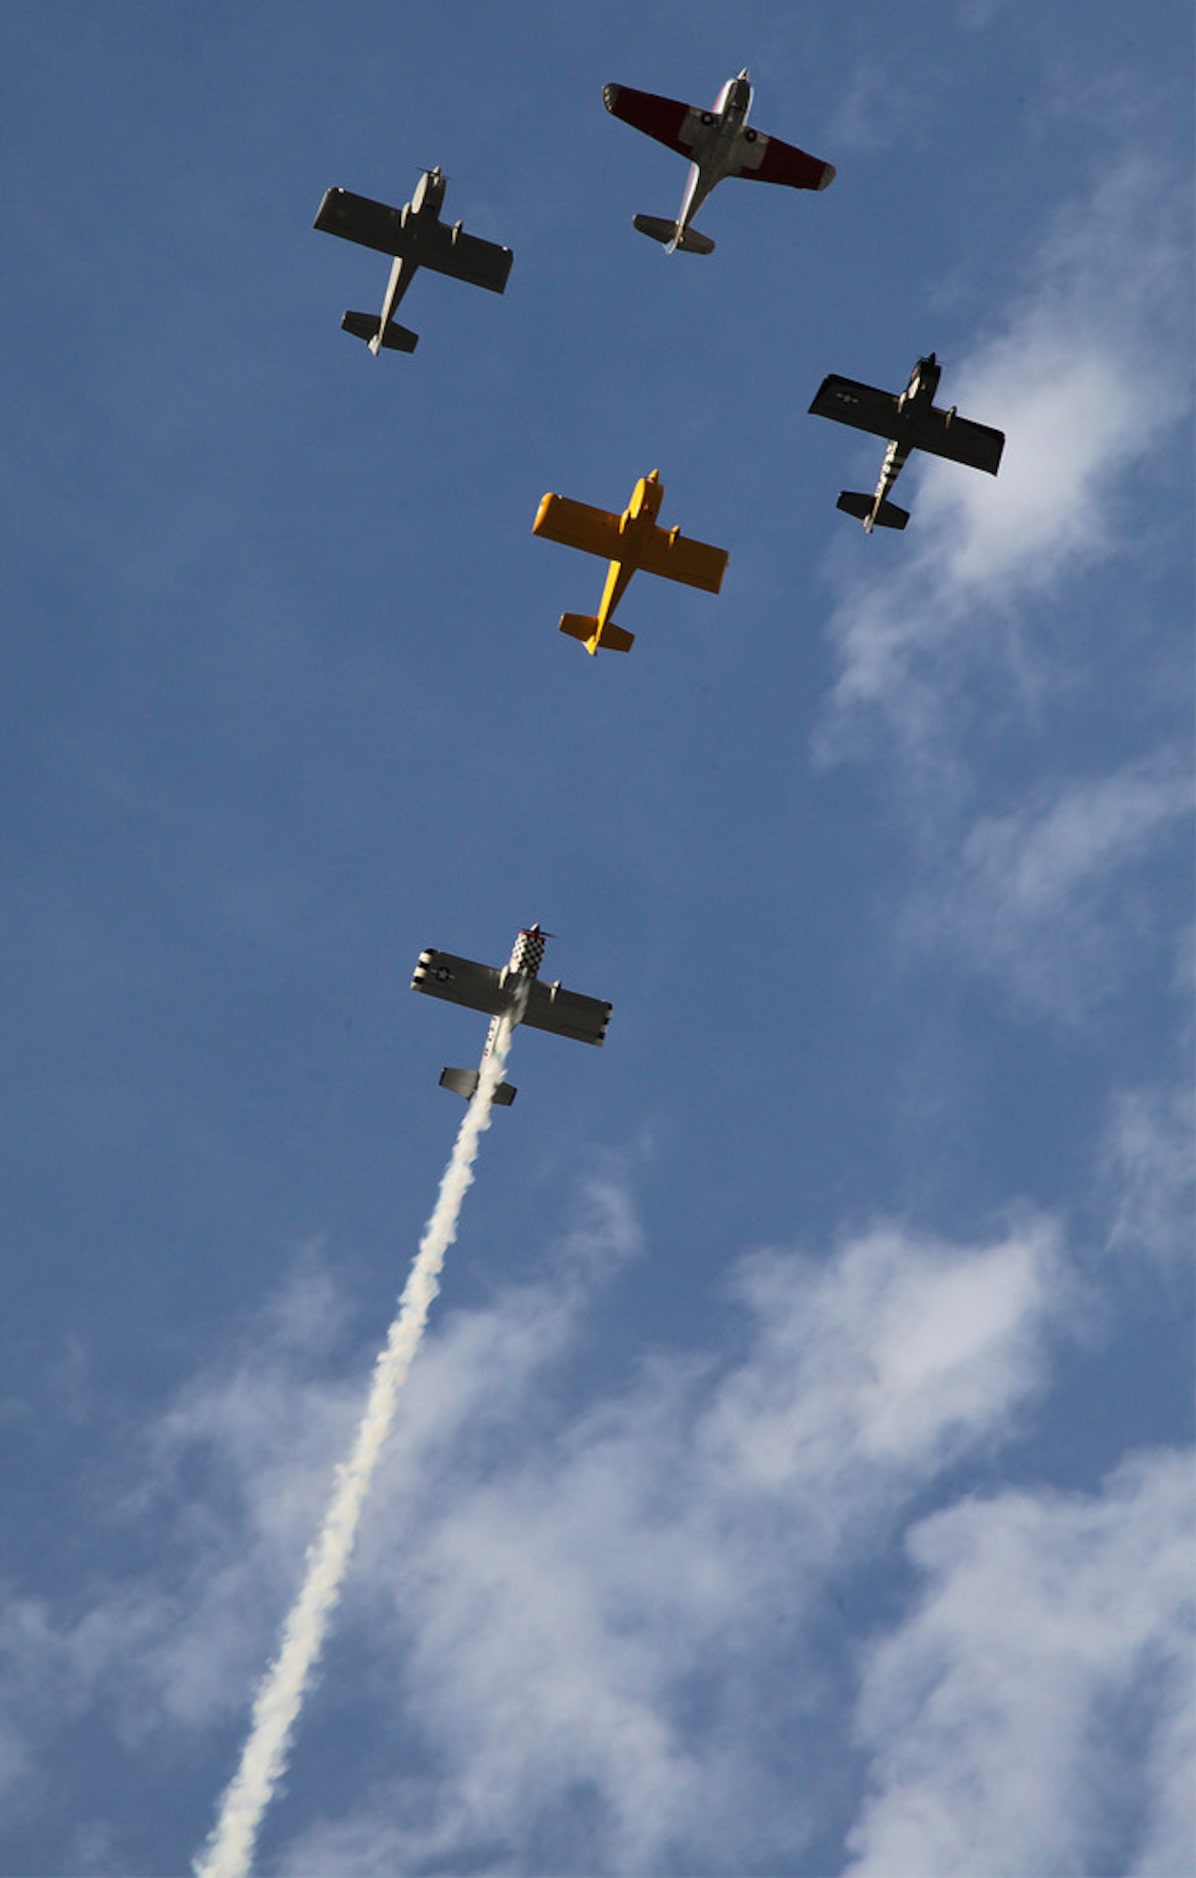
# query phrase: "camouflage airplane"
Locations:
[[631, 540], [417, 238], [718, 143], [911, 421], [515, 993]]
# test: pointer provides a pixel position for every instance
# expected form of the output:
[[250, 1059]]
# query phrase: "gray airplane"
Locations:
[[911, 421], [516, 993], [417, 238]]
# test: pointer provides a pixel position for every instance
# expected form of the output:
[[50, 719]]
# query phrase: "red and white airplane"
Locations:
[[718, 143]]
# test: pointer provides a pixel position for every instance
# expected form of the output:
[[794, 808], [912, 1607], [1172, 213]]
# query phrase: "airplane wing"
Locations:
[[447, 249], [551, 1007], [862, 406], [577, 525], [426, 242], [768, 160], [356, 218], [960, 440], [675, 556], [461, 981], [666, 119], [942, 433]]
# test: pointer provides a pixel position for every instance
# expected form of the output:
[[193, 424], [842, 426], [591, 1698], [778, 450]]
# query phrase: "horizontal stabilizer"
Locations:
[[655, 227], [693, 242], [581, 626], [464, 1082], [658, 229], [614, 639], [584, 626], [396, 338], [888, 515]]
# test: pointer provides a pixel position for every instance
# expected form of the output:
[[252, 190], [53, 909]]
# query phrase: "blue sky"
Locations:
[[797, 1475]]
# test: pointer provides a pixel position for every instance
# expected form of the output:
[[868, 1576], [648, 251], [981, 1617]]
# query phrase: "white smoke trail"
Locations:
[[229, 1850]]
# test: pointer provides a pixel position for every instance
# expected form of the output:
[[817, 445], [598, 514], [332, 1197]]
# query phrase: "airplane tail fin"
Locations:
[[888, 515], [658, 229], [365, 326], [584, 626], [464, 1082]]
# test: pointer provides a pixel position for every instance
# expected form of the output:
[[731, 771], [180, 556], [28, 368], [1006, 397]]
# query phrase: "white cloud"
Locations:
[[1087, 374], [872, 113], [976, 14], [616, 1606], [27, 1648], [1005, 1717], [1039, 896], [894, 1354], [230, 1482], [225, 1482], [1149, 1170], [594, 1633], [53, 1670]]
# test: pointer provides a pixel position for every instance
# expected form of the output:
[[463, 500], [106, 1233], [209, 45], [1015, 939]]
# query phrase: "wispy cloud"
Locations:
[[1033, 1713], [616, 1608], [1041, 897], [224, 1491], [620, 1633], [1148, 1170], [872, 113], [54, 1670]]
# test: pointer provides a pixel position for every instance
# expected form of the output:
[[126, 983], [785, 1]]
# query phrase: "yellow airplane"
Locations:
[[631, 540]]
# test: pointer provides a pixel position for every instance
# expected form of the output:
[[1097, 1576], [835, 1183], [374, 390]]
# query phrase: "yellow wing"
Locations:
[[577, 525], [674, 556]]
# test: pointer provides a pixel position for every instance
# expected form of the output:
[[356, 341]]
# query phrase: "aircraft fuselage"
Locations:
[[638, 520], [424, 207], [522, 968], [918, 396], [716, 148]]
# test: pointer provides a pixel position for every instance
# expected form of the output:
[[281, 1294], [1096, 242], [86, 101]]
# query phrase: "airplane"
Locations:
[[515, 993], [911, 421], [718, 143], [417, 238], [632, 540]]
